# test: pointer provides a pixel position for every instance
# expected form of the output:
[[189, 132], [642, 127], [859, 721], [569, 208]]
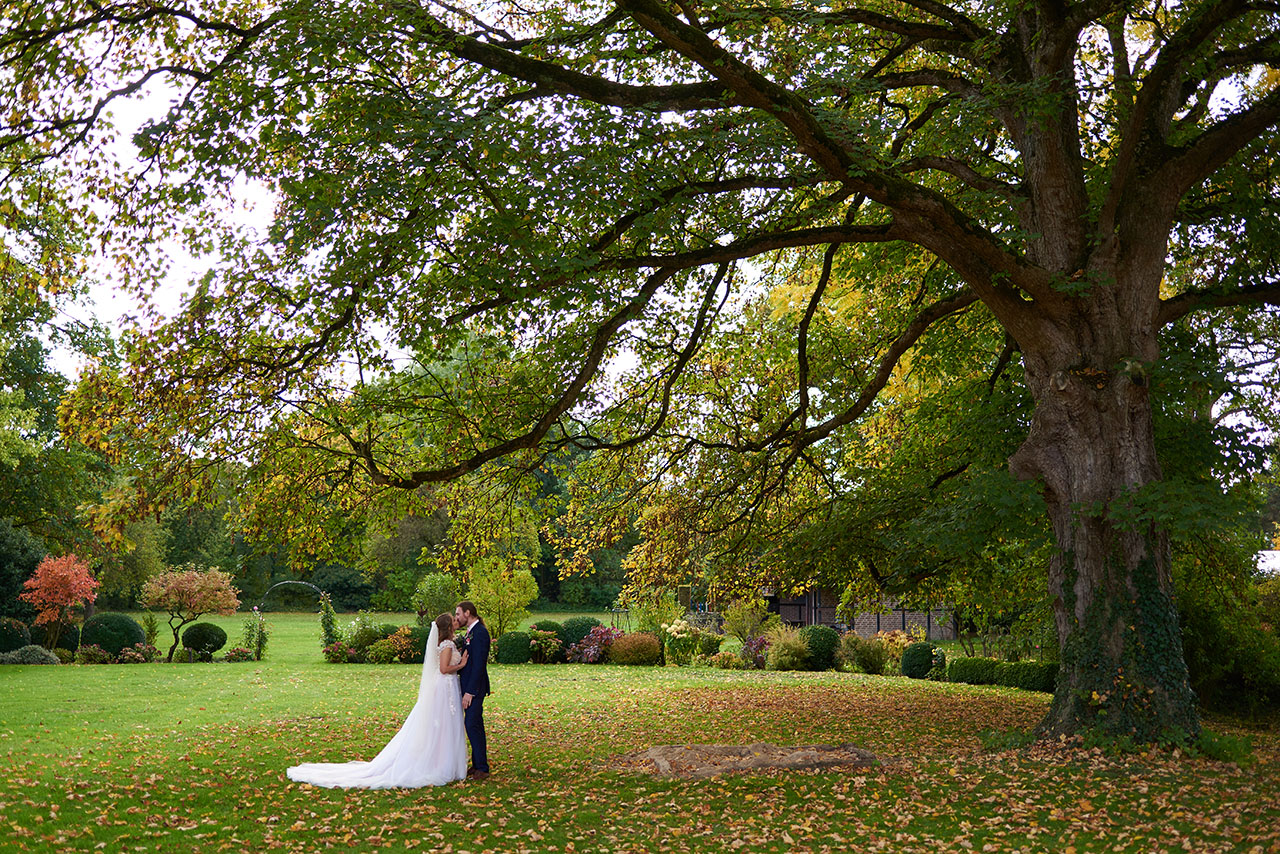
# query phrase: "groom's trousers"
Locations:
[[473, 720]]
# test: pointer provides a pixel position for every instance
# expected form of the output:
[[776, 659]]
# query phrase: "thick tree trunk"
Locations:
[[1091, 446]]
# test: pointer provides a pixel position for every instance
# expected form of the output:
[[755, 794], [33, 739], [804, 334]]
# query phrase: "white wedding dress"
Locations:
[[429, 750]]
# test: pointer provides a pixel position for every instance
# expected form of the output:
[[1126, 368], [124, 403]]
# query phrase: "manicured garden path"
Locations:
[[191, 758]]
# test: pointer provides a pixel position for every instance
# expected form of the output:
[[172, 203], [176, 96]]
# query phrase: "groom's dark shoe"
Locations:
[[473, 774]]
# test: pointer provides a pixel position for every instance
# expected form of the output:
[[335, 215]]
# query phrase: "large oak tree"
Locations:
[[577, 180]]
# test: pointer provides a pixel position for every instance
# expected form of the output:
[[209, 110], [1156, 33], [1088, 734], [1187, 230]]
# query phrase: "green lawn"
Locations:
[[192, 758]]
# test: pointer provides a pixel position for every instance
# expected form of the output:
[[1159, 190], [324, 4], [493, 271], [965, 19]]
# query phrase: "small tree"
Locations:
[[58, 584], [502, 593], [436, 594], [188, 594], [748, 618]]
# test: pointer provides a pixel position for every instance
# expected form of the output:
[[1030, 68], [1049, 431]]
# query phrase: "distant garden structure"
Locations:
[[819, 606]]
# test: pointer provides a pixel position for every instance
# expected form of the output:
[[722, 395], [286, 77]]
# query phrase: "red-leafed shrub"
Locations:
[[594, 648], [58, 585]]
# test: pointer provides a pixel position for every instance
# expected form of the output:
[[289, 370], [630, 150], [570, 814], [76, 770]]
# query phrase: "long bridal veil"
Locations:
[[428, 750]]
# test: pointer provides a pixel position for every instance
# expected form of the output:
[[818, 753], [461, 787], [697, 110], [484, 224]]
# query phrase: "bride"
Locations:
[[431, 747]]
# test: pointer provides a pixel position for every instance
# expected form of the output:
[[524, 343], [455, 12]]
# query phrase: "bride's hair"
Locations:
[[444, 623]]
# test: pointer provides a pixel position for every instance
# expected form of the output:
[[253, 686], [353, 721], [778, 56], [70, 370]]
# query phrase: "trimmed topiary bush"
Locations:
[[574, 629], [823, 641], [972, 671], [29, 654], [917, 660], [513, 648], [204, 638], [14, 634], [113, 632], [637, 648], [1028, 675]]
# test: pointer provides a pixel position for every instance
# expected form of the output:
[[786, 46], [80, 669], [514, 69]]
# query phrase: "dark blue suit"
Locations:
[[474, 680]]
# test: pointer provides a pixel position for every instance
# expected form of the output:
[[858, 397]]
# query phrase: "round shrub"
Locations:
[[574, 629], [14, 634], [917, 660], [204, 638], [513, 648], [822, 642], [29, 654], [547, 626], [639, 648], [112, 632], [381, 652], [363, 632]]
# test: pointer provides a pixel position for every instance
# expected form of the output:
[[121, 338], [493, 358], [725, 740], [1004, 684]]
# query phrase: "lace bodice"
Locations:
[[447, 647]]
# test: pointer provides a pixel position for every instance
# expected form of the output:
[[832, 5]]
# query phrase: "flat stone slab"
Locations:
[[698, 761]]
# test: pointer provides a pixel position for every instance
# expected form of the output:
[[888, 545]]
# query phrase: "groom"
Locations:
[[474, 679]]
